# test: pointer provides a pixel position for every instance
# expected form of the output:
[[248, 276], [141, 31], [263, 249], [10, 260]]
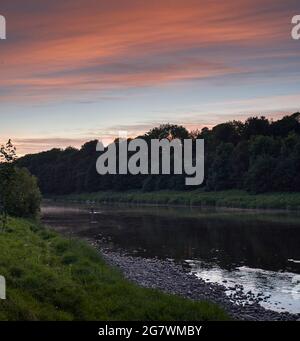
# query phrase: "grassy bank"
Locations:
[[232, 199], [50, 277]]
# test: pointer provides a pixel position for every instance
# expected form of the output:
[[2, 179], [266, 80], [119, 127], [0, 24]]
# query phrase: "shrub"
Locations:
[[21, 196]]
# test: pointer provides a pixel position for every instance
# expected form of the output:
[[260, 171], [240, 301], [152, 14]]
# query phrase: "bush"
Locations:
[[20, 195]]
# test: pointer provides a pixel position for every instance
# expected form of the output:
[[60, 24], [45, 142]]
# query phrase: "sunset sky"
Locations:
[[76, 70]]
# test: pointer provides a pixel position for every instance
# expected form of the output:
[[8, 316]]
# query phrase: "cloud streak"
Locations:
[[65, 49], [135, 64]]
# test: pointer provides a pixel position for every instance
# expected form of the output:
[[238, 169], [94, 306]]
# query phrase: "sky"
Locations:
[[76, 70]]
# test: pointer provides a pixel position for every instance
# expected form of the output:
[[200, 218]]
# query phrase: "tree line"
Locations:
[[258, 155]]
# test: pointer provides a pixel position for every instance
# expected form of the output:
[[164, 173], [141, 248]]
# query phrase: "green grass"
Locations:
[[230, 199], [50, 277]]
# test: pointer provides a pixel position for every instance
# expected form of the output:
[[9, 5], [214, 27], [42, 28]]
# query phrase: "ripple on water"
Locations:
[[278, 291]]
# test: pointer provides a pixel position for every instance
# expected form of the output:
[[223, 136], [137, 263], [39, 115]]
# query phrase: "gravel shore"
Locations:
[[173, 278]]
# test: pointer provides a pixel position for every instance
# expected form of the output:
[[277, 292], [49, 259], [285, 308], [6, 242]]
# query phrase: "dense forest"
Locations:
[[257, 155]]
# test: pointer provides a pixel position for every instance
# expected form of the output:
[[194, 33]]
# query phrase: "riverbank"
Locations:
[[169, 277], [50, 277], [225, 199]]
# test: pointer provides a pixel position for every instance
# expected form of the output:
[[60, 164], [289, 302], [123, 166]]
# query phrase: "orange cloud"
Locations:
[[98, 45]]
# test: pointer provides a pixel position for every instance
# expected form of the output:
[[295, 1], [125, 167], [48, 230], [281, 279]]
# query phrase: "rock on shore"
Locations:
[[173, 278]]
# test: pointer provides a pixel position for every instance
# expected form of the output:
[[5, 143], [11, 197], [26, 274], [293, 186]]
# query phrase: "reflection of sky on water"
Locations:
[[227, 246], [281, 289]]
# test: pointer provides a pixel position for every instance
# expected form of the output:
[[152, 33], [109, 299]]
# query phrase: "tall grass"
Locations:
[[53, 278], [232, 199]]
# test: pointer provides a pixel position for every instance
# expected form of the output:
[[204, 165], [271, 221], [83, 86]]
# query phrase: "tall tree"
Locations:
[[7, 156]]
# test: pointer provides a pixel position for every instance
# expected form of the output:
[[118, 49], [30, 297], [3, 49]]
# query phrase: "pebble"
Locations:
[[170, 277]]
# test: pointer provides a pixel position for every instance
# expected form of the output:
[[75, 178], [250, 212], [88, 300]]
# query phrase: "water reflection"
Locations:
[[260, 251], [282, 289]]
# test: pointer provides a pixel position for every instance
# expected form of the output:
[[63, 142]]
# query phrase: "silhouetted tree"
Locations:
[[257, 155], [256, 126], [220, 173], [7, 172]]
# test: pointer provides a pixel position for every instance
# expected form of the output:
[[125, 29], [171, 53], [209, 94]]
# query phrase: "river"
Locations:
[[258, 250]]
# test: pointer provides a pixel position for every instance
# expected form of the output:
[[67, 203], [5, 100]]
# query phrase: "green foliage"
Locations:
[[221, 169], [234, 153], [259, 178], [255, 126], [262, 146], [20, 194], [52, 278], [229, 198]]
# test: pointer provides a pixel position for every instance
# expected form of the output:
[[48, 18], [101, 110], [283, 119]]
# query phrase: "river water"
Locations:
[[259, 250]]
